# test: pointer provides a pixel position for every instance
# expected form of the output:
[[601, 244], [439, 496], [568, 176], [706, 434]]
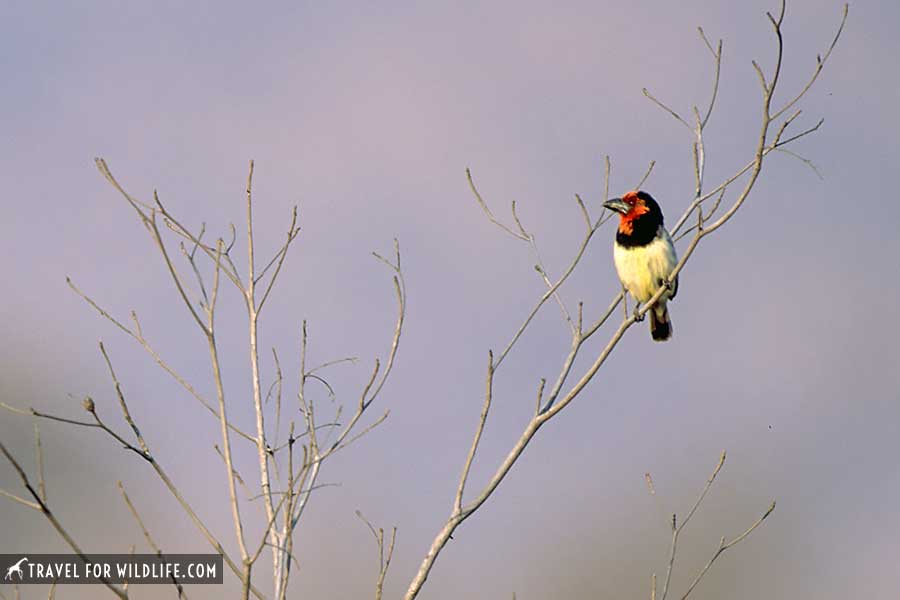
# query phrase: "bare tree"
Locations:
[[309, 444], [706, 218], [289, 467]]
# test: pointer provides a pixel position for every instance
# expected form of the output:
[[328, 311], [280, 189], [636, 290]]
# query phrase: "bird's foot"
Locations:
[[638, 317]]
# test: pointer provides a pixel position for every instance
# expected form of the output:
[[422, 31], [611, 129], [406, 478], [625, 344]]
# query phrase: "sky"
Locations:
[[366, 116]]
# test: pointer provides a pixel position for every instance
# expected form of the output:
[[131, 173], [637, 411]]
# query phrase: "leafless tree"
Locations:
[[309, 444], [703, 211], [289, 468]]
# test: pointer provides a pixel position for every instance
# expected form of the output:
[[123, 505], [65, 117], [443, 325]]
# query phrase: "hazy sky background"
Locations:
[[366, 116]]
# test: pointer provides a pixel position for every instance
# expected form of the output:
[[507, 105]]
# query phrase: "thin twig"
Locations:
[[657, 102], [39, 462], [723, 546], [820, 64], [488, 393], [646, 175], [677, 529], [137, 517], [384, 561], [488, 212]]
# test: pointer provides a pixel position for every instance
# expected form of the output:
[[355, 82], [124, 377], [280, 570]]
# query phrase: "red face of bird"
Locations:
[[630, 206]]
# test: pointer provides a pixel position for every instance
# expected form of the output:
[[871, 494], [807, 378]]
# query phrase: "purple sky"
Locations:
[[785, 346]]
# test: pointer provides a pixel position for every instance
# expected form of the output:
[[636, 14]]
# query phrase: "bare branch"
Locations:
[[176, 277], [122, 404], [723, 546], [804, 160], [178, 587], [547, 295], [359, 435], [646, 175], [383, 561], [276, 384], [190, 256], [39, 461], [237, 474], [488, 212], [223, 422], [137, 335], [820, 64], [584, 211], [653, 99], [489, 390], [280, 255], [517, 220], [787, 141], [717, 55], [45, 510], [676, 530], [22, 501]]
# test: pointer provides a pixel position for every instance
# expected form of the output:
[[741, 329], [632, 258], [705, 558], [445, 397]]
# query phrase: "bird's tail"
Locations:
[[660, 325]]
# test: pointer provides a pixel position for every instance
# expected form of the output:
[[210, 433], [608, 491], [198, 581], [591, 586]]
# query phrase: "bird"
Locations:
[[644, 256]]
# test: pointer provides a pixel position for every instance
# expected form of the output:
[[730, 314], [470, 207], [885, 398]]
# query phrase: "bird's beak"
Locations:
[[618, 205]]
